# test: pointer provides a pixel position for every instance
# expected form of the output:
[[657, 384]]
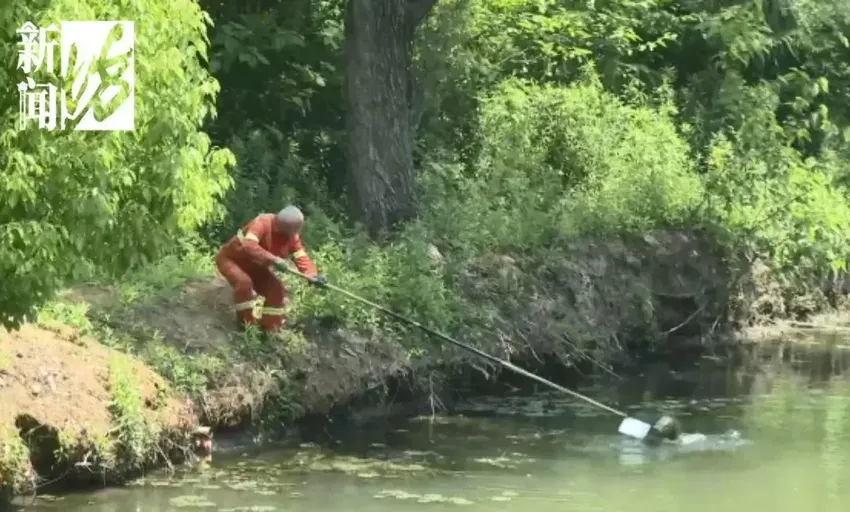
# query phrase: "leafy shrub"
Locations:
[[564, 160], [76, 200], [763, 191]]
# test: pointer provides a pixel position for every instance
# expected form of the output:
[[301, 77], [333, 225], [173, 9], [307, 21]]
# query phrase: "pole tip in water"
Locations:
[[634, 428]]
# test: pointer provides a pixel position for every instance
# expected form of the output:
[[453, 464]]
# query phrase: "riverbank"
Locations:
[[72, 408], [115, 378]]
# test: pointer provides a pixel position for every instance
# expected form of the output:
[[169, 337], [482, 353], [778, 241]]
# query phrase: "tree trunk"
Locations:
[[378, 48]]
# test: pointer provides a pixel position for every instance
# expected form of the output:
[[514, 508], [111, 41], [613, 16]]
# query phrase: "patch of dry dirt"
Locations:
[[60, 380], [198, 315]]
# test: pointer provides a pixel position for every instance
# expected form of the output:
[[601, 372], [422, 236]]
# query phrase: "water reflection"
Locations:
[[789, 402]]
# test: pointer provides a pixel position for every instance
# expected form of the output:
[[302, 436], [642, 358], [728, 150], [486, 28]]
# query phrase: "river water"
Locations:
[[779, 440]]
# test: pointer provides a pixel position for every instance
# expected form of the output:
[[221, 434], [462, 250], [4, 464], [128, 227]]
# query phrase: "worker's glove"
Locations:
[[318, 280]]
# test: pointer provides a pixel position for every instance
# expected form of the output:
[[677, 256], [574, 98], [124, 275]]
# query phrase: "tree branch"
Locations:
[[417, 11]]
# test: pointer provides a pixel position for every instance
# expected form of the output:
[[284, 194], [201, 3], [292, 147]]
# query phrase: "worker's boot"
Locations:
[[245, 319], [245, 314], [273, 320]]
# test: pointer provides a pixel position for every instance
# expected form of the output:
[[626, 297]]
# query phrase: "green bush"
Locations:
[[564, 160], [74, 201], [399, 276], [792, 209]]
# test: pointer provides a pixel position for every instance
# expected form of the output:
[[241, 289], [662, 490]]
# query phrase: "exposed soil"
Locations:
[[664, 290], [55, 395], [59, 379]]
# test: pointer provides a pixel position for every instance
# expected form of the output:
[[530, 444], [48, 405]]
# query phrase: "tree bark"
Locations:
[[378, 53]]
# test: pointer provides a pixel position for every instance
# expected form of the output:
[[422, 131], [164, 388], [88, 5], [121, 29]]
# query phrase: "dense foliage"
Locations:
[[75, 200], [534, 121]]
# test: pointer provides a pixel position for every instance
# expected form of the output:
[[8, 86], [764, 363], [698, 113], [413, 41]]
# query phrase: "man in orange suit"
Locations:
[[247, 260]]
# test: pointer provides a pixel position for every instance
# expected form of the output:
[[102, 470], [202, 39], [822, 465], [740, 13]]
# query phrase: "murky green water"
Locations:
[[546, 453]]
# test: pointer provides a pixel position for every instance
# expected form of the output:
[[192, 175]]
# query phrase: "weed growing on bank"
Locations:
[[136, 437], [190, 261], [15, 471]]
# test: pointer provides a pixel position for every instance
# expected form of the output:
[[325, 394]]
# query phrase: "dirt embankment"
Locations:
[[309, 369], [104, 411], [67, 404], [129, 390]]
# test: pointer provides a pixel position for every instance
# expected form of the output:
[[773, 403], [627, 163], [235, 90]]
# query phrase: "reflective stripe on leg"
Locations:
[[242, 306], [273, 311]]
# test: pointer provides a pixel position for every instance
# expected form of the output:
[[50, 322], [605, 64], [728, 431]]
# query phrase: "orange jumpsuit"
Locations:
[[246, 262]]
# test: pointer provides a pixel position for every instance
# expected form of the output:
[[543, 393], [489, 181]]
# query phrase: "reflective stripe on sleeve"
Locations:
[[299, 254]]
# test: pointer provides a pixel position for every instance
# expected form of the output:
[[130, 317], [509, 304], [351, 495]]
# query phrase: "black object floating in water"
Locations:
[[666, 428]]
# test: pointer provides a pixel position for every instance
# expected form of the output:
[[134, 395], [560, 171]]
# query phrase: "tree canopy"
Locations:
[[76, 200]]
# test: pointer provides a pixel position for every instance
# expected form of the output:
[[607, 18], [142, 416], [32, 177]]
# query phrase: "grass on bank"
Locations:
[[15, 472]]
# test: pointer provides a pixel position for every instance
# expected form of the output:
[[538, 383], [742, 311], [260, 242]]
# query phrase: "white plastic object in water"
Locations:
[[634, 428], [686, 439]]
